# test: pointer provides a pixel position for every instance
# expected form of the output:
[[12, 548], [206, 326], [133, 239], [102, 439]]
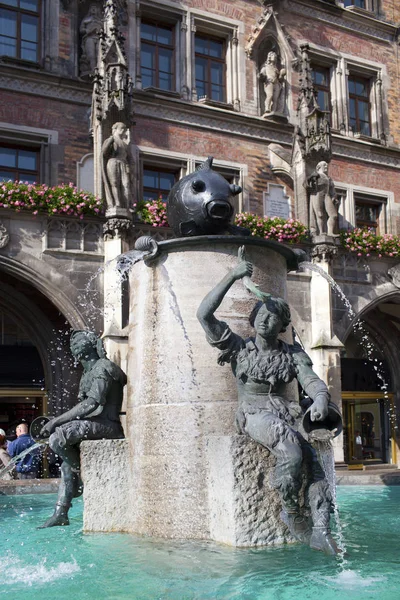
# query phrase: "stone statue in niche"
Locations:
[[262, 366], [89, 29], [95, 417], [117, 167], [324, 203], [273, 80]]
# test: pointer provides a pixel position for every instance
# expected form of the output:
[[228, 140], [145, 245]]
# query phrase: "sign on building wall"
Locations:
[[276, 201]]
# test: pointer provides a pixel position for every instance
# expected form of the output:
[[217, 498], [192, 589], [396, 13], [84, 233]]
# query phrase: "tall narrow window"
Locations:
[[20, 164], [157, 56], [157, 183], [210, 68], [321, 80], [359, 105], [19, 29]]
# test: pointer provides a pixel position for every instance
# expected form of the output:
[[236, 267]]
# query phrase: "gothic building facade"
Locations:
[[220, 78]]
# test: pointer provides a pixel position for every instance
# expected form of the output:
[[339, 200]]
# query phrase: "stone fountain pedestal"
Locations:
[[188, 473]]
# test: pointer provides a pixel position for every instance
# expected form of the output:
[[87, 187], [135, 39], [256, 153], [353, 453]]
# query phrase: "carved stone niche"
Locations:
[[269, 48], [272, 79]]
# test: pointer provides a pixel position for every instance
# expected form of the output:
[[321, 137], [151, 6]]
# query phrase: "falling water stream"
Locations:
[[20, 456], [324, 448]]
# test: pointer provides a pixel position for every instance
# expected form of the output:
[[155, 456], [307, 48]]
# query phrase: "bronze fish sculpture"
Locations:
[[199, 204]]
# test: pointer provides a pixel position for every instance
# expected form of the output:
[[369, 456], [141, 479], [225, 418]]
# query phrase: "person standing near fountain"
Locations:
[[262, 366], [95, 417], [27, 467]]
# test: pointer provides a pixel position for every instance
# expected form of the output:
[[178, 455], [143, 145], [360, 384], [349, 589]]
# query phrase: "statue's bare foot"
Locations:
[[321, 539], [55, 521], [58, 519], [298, 525]]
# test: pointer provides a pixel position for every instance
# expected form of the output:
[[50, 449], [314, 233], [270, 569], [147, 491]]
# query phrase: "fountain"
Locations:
[[184, 473]]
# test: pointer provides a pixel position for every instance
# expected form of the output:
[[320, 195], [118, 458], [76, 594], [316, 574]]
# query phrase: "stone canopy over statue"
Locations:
[[273, 79], [262, 365], [117, 167], [324, 203]]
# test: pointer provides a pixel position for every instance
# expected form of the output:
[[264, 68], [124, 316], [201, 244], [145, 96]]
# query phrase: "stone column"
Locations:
[[184, 452], [326, 347]]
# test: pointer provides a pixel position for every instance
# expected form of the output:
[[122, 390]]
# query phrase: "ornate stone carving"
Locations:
[[89, 30], [4, 236], [324, 203], [117, 228], [324, 251], [273, 79], [313, 133]]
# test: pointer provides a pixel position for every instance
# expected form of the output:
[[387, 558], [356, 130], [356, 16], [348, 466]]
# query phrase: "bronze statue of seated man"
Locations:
[[95, 417]]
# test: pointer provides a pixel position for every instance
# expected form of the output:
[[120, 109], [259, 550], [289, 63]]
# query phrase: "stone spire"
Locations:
[[313, 132], [112, 85]]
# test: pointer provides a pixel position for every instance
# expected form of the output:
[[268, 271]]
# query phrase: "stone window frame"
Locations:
[[187, 164], [347, 212], [187, 21], [341, 67], [43, 140], [225, 29]]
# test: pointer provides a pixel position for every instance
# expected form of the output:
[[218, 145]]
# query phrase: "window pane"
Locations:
[[6, 175], [352, 108], [164, 36], [165, 81], [148, 32], [30, 5], [8, 23], [10, 2], [216, 48], [352, 86], [363, 111], [8, 157], [29, 28], [29, 51], [201, 68], [217, 93], [28, 177], [323, 100], [200, 89], [361, 88], [167, 180], [148, 56], [147, 78], [200, 45], [27, 160], [365, 128], [217, 73], [8, 46], [148, 195], [150, 179], [165, 60]]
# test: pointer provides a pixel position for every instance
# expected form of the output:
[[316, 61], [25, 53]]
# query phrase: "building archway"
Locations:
[[370, 369]]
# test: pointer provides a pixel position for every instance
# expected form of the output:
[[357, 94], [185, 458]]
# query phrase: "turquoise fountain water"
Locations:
[[63, 563]]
